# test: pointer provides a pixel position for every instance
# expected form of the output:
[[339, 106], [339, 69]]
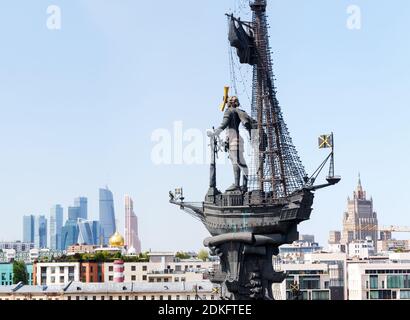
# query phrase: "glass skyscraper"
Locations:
[[81, 203], [107, 215], [56, 225], [28, 229], [69, 234], [40, 232], [73, 213], [85, 232]]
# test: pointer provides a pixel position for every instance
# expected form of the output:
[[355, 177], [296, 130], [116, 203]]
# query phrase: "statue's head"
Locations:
[[233, 102]]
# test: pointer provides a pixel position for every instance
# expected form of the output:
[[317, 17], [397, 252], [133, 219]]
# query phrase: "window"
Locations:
[[110, 278], [61, 279], [94, 298], [144, 278], [85, 298], [70, 269], [374, 283], [127, 298], [91, 269], [320, 295], [183, 279], [61, 269], [188, 297], [111, 268], [69, 298], [53, 279], [110, 297], [144, 297], [133, 278], [161, 297], [176, 279], [144, 268], [177, 297], [212, 297], [396, 281], [165, 279], [53, 270], [102, 298], [152, 297], [405, 294], [169, 297], [77, 298], [133, 268], [120, 298], [158, 279]]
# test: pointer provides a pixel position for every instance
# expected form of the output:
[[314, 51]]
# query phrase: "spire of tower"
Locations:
[[359, 190]]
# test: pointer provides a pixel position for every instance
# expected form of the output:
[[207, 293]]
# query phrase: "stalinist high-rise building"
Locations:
[[360, 221], [132, 241]]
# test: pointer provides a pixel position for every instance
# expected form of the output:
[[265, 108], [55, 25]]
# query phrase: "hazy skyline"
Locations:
[[79, 105]]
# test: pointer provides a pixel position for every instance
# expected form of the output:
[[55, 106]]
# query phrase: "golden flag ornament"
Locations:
[[225, 99], [325, 141]]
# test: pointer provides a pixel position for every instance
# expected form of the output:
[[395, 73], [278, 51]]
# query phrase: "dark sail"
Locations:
[[243, 41]]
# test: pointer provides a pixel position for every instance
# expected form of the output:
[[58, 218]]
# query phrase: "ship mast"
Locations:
[[277, 168]]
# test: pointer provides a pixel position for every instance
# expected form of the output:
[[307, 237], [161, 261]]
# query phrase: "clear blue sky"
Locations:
[[79, 105]]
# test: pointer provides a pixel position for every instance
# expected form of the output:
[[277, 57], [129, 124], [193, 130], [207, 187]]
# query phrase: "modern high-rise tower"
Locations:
[[28, 229], [40, 232], [360, 221], [131, 226], [107, 215], [56, 225], [81, 203]]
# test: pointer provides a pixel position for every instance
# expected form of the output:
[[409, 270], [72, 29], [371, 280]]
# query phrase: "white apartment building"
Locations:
[[369, 280], [56, 273], [312, 279], [164, 271]]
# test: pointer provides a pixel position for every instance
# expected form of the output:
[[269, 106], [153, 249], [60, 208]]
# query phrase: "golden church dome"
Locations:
[[116, 240]]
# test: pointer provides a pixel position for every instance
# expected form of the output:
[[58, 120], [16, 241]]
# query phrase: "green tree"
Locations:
[[20, 272], [182, 255], [203, 255]]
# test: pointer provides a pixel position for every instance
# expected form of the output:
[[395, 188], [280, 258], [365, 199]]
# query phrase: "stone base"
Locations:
[[246, 270]]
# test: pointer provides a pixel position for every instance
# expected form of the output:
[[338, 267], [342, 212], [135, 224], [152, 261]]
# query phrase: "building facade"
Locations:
[[131, 227], [379, 281], [107, 214], [56, 225], [359, 221], [28, 228], [6, 274], [55, 273], [201, 290], [40, 232], [69, 234], [82, 204]]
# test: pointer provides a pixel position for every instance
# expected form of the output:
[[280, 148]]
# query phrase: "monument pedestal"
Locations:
[[246, 268]]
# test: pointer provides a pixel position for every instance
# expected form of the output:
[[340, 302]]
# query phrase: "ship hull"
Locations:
[[278, 217]]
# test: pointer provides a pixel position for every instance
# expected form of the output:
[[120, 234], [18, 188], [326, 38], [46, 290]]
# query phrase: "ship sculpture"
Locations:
[[249, 221]]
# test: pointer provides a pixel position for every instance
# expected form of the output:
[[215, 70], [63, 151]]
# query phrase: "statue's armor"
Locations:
[[233, 117]]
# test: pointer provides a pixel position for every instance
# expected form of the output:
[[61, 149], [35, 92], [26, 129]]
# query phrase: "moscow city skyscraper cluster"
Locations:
[[52, 233]]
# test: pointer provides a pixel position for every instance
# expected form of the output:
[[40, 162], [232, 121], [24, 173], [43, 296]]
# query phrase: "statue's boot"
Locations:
[[237, 174], [245, 183]]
